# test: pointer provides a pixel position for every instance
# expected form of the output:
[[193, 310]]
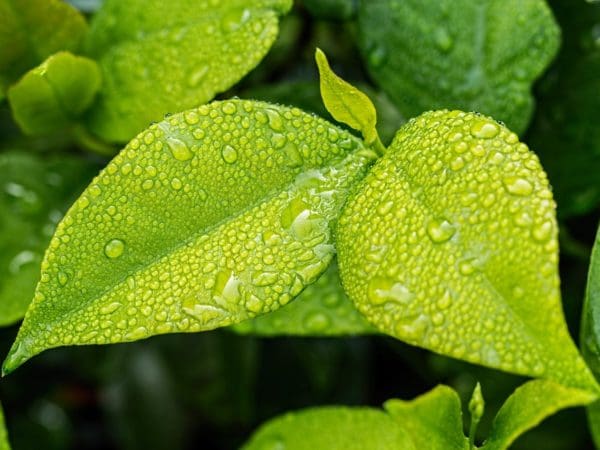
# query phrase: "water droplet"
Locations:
[[275, 121], [197, 76], [229, 154], [114, 248], [467, 266], [229, 108], [440, 230], [294, 158], [264, 278], [484, 129], [63, 278], [383, 290], [414, 330], [110, 308], [518, 186], [316, 322], [176, 184], [377, 56], [227, 286], [543, 231], [179, 149]]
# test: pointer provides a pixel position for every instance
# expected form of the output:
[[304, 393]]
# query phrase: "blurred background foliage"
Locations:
[[211, 390]]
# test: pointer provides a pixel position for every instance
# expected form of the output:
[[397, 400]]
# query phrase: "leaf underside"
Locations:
[[208, 218], [458, 250]]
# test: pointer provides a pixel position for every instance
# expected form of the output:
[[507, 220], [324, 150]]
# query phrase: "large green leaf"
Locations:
[[322, 309], [473, 55], [163, 57], [54, 94], [450, 243], [211, 217], [433, 420], [528, 406], [31, 30], [590, 331], [34, 194], [331, 428]]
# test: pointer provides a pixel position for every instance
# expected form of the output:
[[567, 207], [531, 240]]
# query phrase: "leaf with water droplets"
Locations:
[[458, 248], [31, 30], [346, 103], [473, 55], [322, 309], [4, 445], [590, 331], [162, 57], [54, 94], [435, 419], [34, 194], [528, 406], [210, 217], [432, 421]]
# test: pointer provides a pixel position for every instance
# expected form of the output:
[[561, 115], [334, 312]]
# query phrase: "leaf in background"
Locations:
[[55, 93], [331, 428], [433, 420], [528, 406], [34, 194], [322, 309], [162, 57], [211, 217], [590, 332], [4, 445], [450, 243], [565, 132], [478, 56], [31, 30]]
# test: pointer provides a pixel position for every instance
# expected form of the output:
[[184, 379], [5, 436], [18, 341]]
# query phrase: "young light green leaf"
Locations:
[[528, 406], [332, 428], [590, 331], [33, 197], [163, 57], [211, 217], [458, 249], [346, 103], [54, 94], [476, 409], [322, 309], [4, 445], [31, 30], [478, 56], [433, 420]]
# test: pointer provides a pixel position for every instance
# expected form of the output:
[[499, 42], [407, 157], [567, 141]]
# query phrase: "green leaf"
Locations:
[[331, 428], [322, 309], [346, 103], [34, 194], [528, 406], [476, 409], [32, 30], [211, 217], [163, 57], [433, 420], [4, 445], [54, 94], [590, 331], [478, 56], [450, 243]]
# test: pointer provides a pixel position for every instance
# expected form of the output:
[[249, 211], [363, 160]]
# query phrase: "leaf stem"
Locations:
[[378, 146]]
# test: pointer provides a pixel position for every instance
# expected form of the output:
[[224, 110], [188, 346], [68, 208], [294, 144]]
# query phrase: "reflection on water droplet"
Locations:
[[179, 149], [440, 230], [383, 290], [518, 186], [114, 248], [543, 231], [229, 154], [484, 129]]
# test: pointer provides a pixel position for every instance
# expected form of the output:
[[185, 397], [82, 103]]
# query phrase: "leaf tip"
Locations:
[[18, 354]]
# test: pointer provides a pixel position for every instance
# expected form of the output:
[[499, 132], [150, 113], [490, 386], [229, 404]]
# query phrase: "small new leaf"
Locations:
[[54, 94], [345, 102], [476, 409], [210, 217]]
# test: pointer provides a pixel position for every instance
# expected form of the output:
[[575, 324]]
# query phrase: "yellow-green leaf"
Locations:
[[162, 57], [450, 243], [322, 309], [345, 102], [54, 94], [211, 217]]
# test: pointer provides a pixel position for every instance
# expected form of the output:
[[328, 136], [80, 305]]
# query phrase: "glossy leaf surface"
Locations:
[[163, 57], [31, 30], [478, 56], [458, 250], [528, 406], [55, 93], [433, 420], [322, 309], [210, 217], [34, 196]]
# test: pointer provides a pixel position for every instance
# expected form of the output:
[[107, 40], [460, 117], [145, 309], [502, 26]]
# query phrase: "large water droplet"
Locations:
[[114, 248], [229, 154], [484, 129], [518, 186], [179, 149], [440, 230], [382, 290]]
